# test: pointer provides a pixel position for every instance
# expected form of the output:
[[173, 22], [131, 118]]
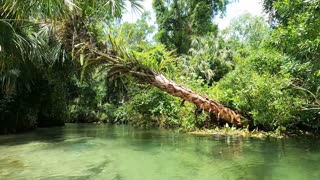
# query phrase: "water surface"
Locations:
[[79, 151]]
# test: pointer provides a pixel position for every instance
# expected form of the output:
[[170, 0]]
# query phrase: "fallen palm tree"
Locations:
[[147, 65], [121, 61]]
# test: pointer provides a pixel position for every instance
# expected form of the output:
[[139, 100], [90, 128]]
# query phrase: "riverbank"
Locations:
[[237, 132], [231, 131]]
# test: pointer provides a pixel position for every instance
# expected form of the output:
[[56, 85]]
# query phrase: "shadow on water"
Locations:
[[39, 135], [59, 134]]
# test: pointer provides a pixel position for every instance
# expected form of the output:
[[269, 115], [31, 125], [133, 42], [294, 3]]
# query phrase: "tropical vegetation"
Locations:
[[75, 61]]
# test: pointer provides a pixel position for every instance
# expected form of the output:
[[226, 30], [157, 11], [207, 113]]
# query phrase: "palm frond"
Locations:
[[136, 5], [46, 9]]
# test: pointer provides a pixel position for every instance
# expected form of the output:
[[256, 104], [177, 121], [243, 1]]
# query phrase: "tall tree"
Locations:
[[179, 20]]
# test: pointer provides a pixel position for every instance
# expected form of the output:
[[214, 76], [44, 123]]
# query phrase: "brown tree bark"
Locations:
[[220, 111]]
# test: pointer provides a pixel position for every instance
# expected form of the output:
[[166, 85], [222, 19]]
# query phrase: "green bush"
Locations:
[[264, 94], [154, 108]]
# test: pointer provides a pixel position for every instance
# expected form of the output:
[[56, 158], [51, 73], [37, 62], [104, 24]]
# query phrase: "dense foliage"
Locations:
[[179, 20], [49, 73]]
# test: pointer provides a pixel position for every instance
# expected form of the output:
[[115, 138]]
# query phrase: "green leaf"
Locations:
[[81, 59]]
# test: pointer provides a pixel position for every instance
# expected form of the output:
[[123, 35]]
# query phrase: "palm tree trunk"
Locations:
[[220, 111]]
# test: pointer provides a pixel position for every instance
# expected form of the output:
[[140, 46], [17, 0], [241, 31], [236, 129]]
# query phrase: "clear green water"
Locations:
[[124, 153]]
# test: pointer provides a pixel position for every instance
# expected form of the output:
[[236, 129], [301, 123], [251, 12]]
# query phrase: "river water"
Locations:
[[88, 151]]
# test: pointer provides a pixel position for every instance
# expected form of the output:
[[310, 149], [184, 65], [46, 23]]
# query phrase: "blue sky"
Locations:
[[233, 10]]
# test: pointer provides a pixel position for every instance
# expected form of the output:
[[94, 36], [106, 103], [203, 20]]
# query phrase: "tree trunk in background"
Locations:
[[204, 103]]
